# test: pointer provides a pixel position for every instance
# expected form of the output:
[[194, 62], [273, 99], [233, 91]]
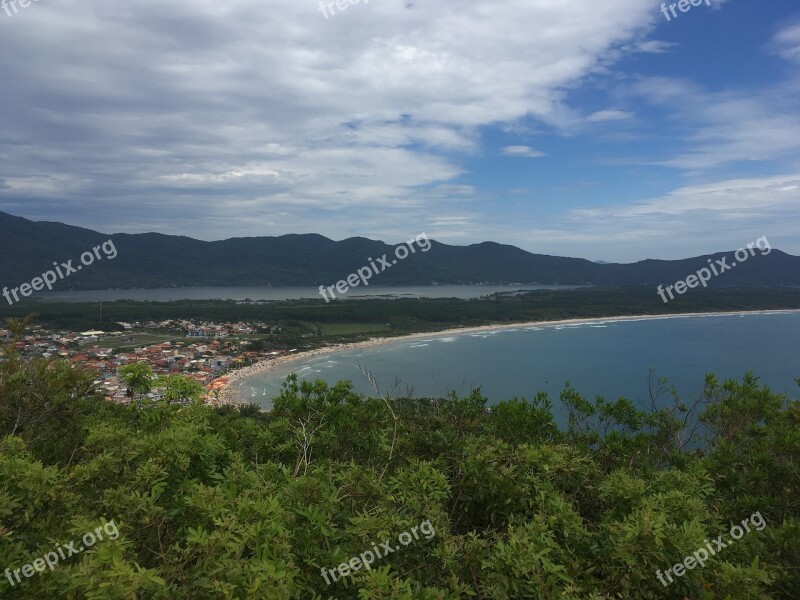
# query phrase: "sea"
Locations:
[[610, 358]]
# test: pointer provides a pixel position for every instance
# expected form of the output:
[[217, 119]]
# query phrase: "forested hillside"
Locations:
[[153, 260], [228, 504]]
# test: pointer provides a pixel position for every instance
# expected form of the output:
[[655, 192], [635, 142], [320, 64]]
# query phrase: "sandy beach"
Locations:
[[228, 390]]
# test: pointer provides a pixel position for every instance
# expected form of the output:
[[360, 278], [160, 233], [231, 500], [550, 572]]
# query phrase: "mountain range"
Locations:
[[152, 260]]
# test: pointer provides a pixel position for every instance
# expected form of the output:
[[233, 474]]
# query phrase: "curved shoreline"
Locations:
[[229, 389]]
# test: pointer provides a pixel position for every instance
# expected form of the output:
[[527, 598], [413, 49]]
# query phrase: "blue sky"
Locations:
[[578, 128]]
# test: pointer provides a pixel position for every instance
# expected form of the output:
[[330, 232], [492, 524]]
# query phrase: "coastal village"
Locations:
[[204, 351]]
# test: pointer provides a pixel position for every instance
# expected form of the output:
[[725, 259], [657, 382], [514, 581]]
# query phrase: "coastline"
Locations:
[[228, 389]]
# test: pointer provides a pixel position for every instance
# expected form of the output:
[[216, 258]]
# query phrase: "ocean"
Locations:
[[610, 358]]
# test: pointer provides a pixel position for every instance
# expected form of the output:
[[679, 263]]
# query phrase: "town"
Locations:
[[202, 351]]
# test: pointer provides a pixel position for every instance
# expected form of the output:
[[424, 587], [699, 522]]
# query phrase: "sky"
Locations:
[[603, 130]]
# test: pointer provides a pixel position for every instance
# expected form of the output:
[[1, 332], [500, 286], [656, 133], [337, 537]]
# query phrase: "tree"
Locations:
[[177, 388], [138, 378], [40, 399], [211, 503]]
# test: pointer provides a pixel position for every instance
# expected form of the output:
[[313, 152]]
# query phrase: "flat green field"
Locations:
[[137, 339]]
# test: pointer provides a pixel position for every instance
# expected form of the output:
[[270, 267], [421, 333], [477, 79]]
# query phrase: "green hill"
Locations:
[[153, 260]]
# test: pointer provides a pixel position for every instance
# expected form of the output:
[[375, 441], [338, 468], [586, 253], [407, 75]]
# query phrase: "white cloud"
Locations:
[[786, 42], [266, 104], [522, 151], [650, 47], [602, 116], [688, 221], [727, 127]]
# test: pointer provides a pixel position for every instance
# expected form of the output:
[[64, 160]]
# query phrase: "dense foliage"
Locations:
[[406, 315], [233, 503]]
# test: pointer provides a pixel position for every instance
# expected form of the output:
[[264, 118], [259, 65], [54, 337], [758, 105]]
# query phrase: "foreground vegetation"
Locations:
[[235, 504]]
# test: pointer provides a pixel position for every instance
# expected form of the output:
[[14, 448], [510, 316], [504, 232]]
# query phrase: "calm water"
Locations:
[[287, 293], [608, 358]]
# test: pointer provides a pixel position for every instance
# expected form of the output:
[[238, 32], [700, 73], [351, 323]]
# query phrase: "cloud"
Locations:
[[522, 152], [215, 119], [786, 42], [722, 128], [687, 221], [650, 47], [602, 116]]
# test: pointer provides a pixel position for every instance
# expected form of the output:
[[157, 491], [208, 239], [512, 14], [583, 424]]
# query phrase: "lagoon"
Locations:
[[288, 293]]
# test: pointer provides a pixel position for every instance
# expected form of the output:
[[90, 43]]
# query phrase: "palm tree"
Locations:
[[138, 378]]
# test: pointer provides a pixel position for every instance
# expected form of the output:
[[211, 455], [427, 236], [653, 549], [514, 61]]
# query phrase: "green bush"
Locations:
[[223, 504]]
